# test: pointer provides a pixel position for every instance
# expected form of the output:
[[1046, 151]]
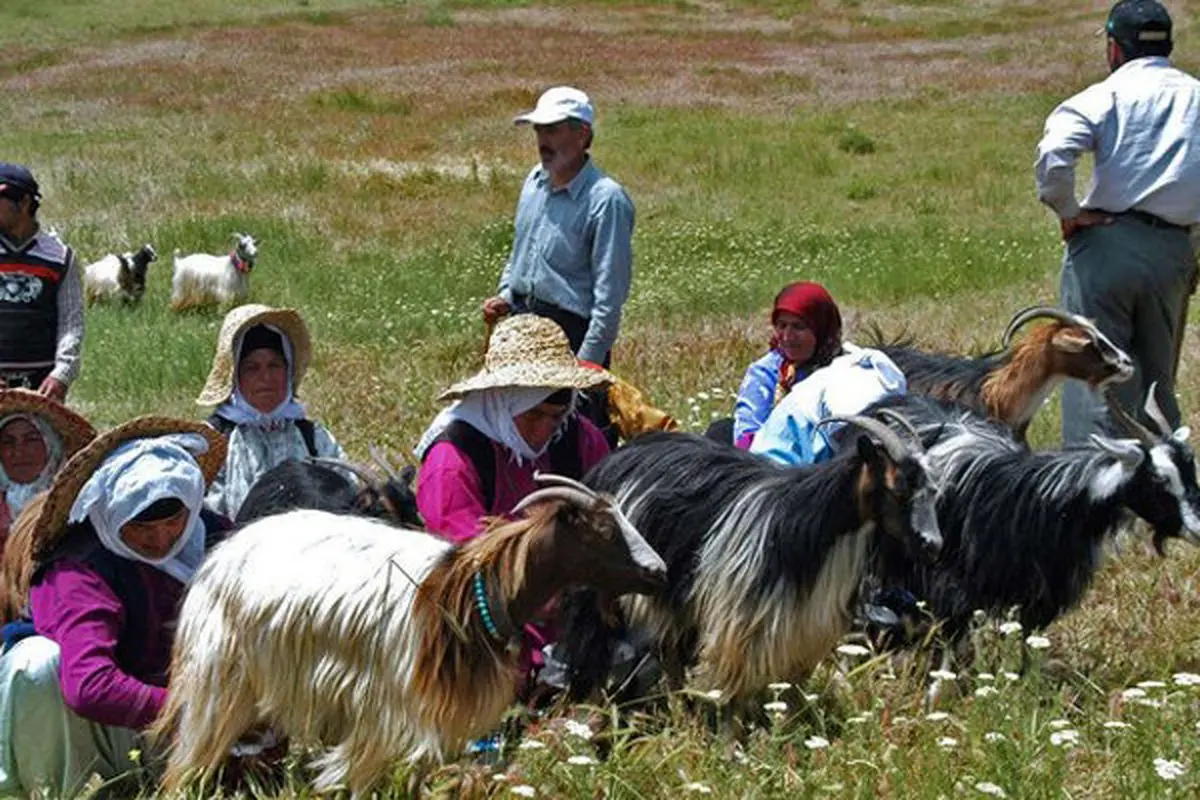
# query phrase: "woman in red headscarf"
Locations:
[[806, 335]]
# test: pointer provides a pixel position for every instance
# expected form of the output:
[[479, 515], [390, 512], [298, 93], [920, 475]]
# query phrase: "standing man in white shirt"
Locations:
[[1129, 263]]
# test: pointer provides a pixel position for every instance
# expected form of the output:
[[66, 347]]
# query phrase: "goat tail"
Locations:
[[591, 628]]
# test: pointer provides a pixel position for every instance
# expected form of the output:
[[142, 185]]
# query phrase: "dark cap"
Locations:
[[15, 176], [1139, 23]]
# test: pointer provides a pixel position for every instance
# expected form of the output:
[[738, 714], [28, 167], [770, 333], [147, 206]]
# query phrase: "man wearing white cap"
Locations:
[[572, 255]]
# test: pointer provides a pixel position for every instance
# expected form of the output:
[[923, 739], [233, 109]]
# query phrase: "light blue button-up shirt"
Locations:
[[573, 249]]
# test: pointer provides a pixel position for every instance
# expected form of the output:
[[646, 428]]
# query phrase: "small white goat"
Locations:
[[120, 277], [200, 279], [383, 643]]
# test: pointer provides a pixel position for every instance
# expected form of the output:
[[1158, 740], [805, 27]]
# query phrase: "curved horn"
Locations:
[[1155, 412], [363, 474], [1123, 418], [562, 480], [1038, 312], [556, 493], [891, 442], [380, 458], [903, 422]]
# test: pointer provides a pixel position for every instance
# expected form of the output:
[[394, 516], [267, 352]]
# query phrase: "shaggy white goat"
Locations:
[[201, 279], [118, 276], [383, 643]]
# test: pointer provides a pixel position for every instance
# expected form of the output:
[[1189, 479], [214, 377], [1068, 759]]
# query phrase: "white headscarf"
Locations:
[[135, 476], [16, 495], [491, 412], [237, 409]]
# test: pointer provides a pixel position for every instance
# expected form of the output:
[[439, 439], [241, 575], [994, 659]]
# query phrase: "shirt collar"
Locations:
[[1144, 62], [576, 184]]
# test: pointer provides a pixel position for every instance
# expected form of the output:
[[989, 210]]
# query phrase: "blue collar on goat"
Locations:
[[485, 611]]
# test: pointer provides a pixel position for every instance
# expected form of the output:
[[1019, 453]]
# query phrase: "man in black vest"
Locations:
[[41, 294]]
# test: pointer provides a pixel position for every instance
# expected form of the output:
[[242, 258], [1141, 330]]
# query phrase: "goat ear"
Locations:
[[1070, 341], [1181, 434]]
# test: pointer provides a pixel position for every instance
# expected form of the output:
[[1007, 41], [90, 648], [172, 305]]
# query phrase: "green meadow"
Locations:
[[882, 148]]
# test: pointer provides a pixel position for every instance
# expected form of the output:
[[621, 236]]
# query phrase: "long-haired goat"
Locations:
[[763, 561], [1010, 385], [118, 276], [201, 279], [1026, 528], [385, 643], [324, 484]]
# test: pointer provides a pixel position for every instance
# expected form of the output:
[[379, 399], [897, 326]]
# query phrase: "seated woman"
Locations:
[[806, 334], [262, 355], [106, 553], [37, 435]]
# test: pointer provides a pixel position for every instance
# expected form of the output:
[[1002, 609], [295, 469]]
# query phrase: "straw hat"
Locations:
[[51, 521], [529, 351], [74, 430], [223, 377]]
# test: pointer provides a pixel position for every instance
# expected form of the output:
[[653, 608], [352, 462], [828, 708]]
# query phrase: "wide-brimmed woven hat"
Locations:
[[531, 352], [72, 429], [51, 522], [223, 377]]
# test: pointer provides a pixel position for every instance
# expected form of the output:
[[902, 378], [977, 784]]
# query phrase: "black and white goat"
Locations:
[[325, 484], [383, 643], [201, 279], [1010, 385], [118, 277], [1026, 529], [763, 560]]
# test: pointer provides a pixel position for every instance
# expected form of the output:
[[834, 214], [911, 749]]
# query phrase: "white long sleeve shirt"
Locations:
[[1143, 125]]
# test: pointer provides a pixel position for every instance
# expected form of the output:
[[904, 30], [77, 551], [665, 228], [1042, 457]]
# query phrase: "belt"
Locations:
[[1146, 218]]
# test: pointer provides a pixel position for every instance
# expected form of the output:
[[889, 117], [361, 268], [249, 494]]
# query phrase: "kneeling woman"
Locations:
[[102, 559], [262, 355], [37, 435]]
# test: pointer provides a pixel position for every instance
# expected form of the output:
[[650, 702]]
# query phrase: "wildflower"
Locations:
[[714, 694], [1058, 724], [986, 676], [1168, 770], [1133, 693], [853, 650], [811, 698], [524, 790], [937, 716], [989, 788], [499, 777], [698, 788], [947, 743], [1038, 642], [986, 691], [994, 737], [135, 756], [776, 707], [1011, 676], [1009, 628], [944, 675], [816, 743], [779, 687], [582, 761], [579, 729], [858, 719], [531, 744], [1187, 679], [1152, 685], [1065, 739], [1116, 725]]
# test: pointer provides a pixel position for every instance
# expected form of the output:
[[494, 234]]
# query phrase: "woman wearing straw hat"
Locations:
[[102, 559], [262, 355], [36, 435]]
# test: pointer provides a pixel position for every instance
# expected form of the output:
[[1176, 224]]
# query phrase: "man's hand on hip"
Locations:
[[494, 308], [53, 388], [1085, 219]]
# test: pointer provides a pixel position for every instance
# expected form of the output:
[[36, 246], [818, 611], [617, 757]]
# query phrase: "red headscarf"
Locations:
[[812, 303]]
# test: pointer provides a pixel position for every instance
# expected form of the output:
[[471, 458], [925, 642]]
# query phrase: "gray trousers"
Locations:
[[1132, 280]]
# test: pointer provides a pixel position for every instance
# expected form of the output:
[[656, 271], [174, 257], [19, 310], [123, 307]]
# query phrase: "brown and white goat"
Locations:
[[1011, 385], [383, 643]]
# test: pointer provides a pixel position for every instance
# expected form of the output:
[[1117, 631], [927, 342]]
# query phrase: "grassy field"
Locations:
[[885, 149]]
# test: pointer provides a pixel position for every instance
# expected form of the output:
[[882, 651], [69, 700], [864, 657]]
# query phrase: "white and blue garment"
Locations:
[[16, 495], [852, 382]]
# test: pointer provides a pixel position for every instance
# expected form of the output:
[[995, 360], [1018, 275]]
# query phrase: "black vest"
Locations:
[[30, 277], [563, 452]]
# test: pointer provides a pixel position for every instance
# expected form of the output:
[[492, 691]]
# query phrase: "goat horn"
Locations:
[[1039, 312], [891, 442], [563, 480], [556, 493], [1123, 418], [903, 422], [380, 458], [362, 472], [1155, 412]]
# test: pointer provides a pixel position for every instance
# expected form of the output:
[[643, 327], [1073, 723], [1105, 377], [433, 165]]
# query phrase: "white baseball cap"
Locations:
[[557, 104]]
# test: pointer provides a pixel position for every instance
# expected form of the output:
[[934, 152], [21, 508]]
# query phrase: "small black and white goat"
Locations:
[[1010, 385], [201, 279], [763, 561], [118, 277]]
